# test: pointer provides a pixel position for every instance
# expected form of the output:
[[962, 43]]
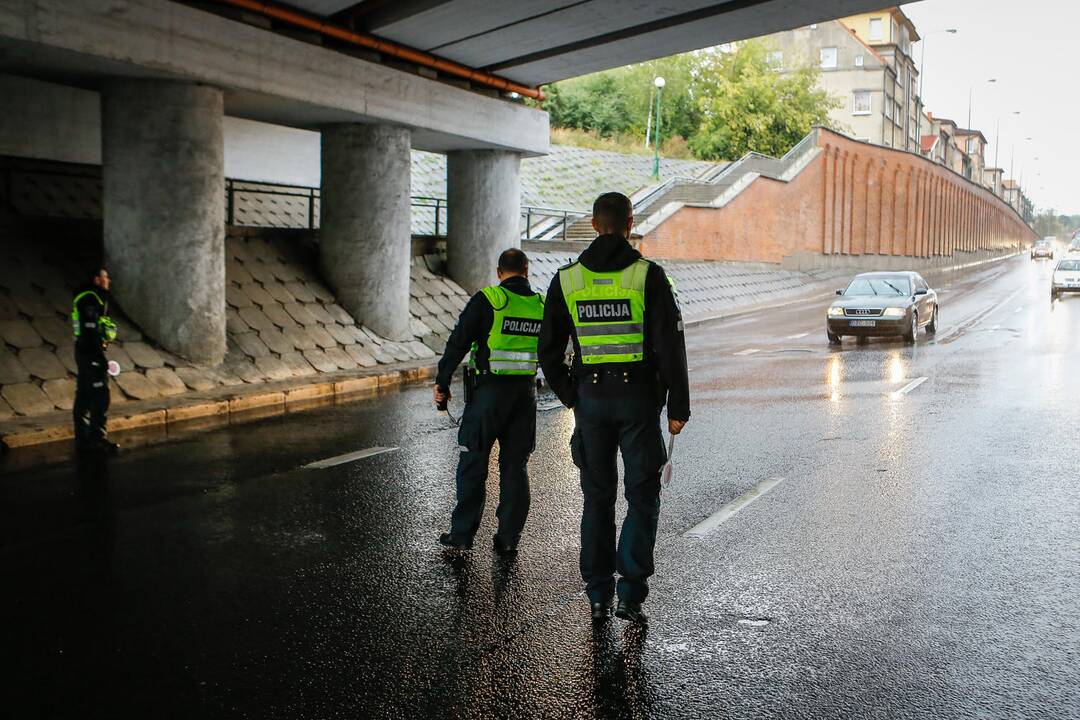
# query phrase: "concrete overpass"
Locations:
[[376, 78]]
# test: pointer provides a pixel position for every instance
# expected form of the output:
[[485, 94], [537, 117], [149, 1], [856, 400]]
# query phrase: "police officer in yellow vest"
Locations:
[[629, 361], [94, 330], [499, 329]]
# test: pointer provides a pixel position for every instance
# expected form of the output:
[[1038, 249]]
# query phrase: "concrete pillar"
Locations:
[[164, 211], [365, 231], [483, 191]]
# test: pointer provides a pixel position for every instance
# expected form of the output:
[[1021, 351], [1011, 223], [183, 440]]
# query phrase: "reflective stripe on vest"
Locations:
[[515, 332], [608, 311]]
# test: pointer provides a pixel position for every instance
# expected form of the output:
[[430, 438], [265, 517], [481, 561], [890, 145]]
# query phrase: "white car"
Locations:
[[1042, 249], [1066, 278]]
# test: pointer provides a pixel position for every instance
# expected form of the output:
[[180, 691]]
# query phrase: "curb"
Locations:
[[221, 406]]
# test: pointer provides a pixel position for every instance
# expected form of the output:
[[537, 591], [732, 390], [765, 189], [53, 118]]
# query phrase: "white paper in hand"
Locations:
[[113, 368], [666, 473]]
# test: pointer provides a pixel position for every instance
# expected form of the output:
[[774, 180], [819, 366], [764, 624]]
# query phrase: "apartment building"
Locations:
[[973, 144], [866, 63]]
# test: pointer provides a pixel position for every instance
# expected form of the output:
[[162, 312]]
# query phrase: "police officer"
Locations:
[[499, 328], [94, 330], [629, 360]]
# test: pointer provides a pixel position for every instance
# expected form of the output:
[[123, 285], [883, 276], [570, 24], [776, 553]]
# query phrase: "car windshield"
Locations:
[[1069, 265], [889, 286], [1042, 244]]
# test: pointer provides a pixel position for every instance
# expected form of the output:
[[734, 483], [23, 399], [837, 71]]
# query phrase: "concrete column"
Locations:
[[365, 232], [164, 211], [483, 190]]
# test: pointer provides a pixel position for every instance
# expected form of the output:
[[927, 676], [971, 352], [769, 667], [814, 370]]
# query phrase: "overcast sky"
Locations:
[[1031, 49]]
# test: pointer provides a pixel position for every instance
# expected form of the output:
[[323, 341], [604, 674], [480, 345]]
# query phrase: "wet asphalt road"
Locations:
[[919, 557]]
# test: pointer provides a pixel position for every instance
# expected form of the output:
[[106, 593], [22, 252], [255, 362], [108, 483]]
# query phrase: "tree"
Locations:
[[620, 100], [748, 105]]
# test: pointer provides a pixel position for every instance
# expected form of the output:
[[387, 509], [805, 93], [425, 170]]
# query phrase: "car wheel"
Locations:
[[912, 331], [931, 328], [834, 339]]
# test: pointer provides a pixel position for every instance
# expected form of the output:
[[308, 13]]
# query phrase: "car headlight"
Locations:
[[893, 312], [836, 312]]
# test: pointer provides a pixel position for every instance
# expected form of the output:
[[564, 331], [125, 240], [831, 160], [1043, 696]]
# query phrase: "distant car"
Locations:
[[883, 304], [1042, 249], [1074, 247], [1066, 278]]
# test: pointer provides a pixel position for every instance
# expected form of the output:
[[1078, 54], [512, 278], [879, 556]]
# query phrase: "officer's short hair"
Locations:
[[93, 271], [612, 211], [514, 261]]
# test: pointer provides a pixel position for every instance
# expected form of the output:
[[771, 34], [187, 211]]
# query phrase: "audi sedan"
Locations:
[[883, 304]]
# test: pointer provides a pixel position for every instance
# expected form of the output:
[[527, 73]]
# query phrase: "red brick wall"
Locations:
[[852, 199]]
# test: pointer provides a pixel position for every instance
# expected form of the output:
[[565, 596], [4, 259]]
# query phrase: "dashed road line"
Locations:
[[908, 388], [797, 336], [1018, 309], [348, 457], [725, 513], [750, 351]]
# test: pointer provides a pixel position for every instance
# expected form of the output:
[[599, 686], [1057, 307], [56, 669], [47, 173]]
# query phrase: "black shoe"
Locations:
[[504, 547], [601, 611], [110, 448], [452, 541], [97, 447], [631, 612]]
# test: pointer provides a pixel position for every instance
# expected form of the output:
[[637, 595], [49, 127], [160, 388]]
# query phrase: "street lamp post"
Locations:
[[920, 105], [659, 83]]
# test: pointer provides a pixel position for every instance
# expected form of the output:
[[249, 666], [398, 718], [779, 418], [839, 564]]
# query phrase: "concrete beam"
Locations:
[[364, 241], [483, 190], [164, 211], [266, 76]]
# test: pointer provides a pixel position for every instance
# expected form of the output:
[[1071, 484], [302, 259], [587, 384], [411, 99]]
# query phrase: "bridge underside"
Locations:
[[167, 73]]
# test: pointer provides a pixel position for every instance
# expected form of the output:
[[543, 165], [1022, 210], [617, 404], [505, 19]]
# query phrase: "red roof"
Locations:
[[928, 142]]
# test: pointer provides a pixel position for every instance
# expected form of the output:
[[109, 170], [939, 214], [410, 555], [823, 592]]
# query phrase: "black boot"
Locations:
[[631, 612], [452, 541], [601, 611], [503, 546]]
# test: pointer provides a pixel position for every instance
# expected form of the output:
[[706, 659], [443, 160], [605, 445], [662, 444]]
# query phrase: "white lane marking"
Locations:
[[751, 351], [994, 328], [714, 521], [1018, 309], [908, 388], [797, 336], [347, 457]]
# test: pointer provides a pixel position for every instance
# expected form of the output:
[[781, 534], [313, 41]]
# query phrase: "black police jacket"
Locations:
[[90, 339], [473, 327], [665, 345]]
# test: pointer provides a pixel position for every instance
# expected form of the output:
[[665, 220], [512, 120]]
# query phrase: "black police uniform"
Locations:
[[617, 408], [497, 407], [92, 384]]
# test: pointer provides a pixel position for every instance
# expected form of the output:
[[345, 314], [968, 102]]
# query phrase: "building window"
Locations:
[[888, 108], [861, 104], [971, 146], [828, 57], [859, 60], [776, 59], [875, 30]]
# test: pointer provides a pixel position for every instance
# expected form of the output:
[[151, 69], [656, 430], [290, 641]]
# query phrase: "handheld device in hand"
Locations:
[[667, 473]]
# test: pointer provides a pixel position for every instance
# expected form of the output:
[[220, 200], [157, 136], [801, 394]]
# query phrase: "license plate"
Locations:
[[863, 323]]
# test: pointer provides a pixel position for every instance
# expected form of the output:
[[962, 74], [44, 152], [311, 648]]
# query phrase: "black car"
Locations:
[[883, 304]]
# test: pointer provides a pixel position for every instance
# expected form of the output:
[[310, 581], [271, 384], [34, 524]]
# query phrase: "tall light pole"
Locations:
[[922, 66], [659, 83]]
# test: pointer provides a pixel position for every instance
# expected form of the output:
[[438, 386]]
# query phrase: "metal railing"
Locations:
[[300, 209]]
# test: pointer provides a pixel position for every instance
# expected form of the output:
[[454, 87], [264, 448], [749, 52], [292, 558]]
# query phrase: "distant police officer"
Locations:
[[500, 327], [94, 330], [629, 359]]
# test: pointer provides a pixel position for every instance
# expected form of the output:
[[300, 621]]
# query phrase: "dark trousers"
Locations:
[[91, 397], [503, 410], [604, 426]]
